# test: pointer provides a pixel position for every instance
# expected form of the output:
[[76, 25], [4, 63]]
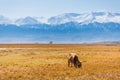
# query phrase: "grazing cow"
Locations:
[[73, 59]]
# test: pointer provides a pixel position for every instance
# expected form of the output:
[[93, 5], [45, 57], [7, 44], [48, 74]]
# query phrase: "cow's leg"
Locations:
[[68, 62], [75, 64]]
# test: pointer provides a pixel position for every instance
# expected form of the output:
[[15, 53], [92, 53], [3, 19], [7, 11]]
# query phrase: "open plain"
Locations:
[[49, 62]]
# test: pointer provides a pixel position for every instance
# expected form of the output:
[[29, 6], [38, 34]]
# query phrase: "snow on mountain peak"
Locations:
[[26, 20], [42, 20], [83, 18], [63, 18], [108, 17]]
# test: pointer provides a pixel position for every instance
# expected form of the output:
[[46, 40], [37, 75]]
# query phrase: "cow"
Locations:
[[73, 60]]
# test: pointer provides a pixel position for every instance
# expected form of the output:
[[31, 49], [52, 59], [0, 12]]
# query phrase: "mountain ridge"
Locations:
[[83, 18], [87, 30]]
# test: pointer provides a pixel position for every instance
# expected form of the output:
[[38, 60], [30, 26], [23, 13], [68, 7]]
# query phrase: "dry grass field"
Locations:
[[49, 62]]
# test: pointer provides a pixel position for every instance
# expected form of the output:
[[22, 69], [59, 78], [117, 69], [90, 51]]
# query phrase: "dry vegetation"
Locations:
[[49, 62]]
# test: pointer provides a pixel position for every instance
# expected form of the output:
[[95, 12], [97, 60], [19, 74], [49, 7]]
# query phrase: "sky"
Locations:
[[47, 8]]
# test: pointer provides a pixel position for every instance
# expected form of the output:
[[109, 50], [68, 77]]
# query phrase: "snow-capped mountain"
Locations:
[[82, 18], [64, 28], [63, 18], [101, 17], [26, 21], [42, 20]]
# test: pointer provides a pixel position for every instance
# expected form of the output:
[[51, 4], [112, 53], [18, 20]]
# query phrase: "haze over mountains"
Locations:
[[64, 28]]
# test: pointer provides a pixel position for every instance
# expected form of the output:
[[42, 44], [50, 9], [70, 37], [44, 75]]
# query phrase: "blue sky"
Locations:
[[46, 8]]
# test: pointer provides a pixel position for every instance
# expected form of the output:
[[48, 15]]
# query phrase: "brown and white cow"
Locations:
[[73, 60]]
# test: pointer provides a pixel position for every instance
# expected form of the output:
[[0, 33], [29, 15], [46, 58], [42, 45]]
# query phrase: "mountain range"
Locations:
[[64, 28]]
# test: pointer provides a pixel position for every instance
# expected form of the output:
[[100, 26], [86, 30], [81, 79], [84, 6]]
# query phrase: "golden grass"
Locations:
[[49, 62]]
